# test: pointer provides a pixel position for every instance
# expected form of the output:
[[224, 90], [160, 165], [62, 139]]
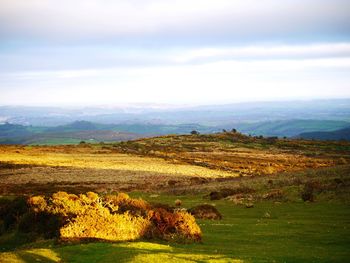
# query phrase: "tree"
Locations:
[[194, 132]]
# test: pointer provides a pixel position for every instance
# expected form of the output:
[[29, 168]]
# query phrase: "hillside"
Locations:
[[342, 134], [158, 160], [266, 186], [74, 132], [290, 128], [79, 126], [66, 134]]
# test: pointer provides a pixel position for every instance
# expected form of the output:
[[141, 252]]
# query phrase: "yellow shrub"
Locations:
[[123, 203], [38, 203], [113, 218], [186, 226], [97, 224], [179, 226]]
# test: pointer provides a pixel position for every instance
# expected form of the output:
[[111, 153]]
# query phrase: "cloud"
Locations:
[[266, 52], [178, 20], [103, 51], [218, 82], [94, 57]]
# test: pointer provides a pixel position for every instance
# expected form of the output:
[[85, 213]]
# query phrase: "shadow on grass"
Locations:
[[137, 252]]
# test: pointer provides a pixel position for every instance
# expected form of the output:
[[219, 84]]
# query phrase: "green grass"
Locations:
[[268, 232]]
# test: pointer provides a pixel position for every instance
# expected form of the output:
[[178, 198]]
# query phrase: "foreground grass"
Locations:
[[269, 232]]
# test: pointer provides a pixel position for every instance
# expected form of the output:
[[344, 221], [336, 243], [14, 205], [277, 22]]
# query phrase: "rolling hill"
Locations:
[[290, 128], [342, 134], [77, 131]]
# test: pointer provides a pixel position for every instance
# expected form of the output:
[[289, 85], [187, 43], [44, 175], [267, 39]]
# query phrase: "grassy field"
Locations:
[[269, 176], [269, 232]]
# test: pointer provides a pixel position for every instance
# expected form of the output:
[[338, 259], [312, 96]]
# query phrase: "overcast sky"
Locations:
[[95, 52]]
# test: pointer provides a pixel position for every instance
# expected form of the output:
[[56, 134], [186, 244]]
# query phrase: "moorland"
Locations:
[[279, 199]]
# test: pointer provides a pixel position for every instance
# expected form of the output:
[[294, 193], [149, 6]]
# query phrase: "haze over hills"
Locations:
[[211, 115], [342, 134], [290, 128], [40, 125], [95, 132]]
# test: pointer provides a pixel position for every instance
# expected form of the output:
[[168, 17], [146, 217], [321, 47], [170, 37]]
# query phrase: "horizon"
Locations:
[[168, 106], [172, 52]]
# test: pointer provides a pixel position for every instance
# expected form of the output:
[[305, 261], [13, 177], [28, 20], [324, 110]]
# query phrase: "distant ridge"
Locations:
[[290, 128], [85, 130], [342, 134], [80, 126]]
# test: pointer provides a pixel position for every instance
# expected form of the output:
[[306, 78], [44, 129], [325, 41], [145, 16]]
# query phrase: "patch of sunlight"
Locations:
[[145, 246], [44, 253], [123, 162], [182, 257], [153, 252], [10, 257]]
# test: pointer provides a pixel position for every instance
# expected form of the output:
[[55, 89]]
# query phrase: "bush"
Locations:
[[11, 212], [308, 193], [122, 203], [205, 212], [100, 224], [276, 194], [217, 195], [178, 202], [113, 218], [179, 226], [41, 224]]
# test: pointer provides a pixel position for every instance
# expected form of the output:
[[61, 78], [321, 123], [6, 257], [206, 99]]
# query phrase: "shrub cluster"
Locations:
[[205, 211], [307, 193], [11, 211], [223, 193], [275, 194], [113, 218]]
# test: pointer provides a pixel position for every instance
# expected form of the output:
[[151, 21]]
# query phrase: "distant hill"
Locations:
[[290, 128], [8, 130], [80, 126], [76, 137], [209, 115], [138, 128], [90, 131], [77, 131], [342, 134], [65, 134]]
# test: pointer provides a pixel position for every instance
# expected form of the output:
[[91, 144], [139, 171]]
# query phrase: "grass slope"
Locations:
[[293, 232]]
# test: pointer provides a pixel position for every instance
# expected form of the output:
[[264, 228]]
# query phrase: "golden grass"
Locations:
[[114, 161]]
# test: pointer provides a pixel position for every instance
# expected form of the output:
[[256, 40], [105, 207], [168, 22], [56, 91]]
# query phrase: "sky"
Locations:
[[193, 52]]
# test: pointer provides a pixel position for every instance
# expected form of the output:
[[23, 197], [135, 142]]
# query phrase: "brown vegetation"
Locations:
[[205, 211], [239, 154], [168, 163]]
